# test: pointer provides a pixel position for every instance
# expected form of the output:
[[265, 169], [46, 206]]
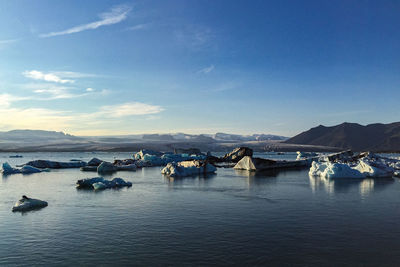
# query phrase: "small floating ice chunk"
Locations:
[[99, 183], [304, 155], [143, 152], [87, 183], [26, 204], [188, 168], [16, 156]]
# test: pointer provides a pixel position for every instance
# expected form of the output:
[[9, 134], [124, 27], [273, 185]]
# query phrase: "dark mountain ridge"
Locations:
[[372, 137]]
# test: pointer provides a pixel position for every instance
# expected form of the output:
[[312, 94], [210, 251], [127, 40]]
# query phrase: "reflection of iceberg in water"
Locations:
[[258, 178], [365, 186], [317, 182]]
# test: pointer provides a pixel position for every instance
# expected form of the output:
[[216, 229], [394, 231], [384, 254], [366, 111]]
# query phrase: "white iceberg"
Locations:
[[334, 170], [140, 155], [374, 169], [188, 168], [26, 204]]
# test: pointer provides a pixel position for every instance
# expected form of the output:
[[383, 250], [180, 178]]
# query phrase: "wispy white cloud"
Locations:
[[5, 43], [34, 118], [7, 99], [50, 91], [194, 36], [100, 92], [138, 27], [114, 16], [207, 69], [57, 92], [9, 41], [73, 74], [48, 77], [98, 121], [129, 109]]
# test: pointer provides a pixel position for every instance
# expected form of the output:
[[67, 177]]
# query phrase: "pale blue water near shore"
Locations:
[[231, 218]]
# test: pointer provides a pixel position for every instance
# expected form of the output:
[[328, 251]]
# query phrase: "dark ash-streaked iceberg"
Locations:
[[99, 183]]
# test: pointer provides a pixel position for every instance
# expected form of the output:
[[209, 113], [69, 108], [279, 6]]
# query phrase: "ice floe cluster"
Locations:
[[149, 158], [350, 165]]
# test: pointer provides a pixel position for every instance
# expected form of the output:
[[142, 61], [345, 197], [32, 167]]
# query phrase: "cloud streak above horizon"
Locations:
[[48, 77], [36, 118], [207, 69], [129, 109], [114, 16]]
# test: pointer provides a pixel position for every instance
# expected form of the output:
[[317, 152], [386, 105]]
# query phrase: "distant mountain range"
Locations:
[[39, 136], [372, 137], [35, 136]]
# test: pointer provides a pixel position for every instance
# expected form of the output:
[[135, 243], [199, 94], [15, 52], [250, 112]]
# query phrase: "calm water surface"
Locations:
[[231, 218]]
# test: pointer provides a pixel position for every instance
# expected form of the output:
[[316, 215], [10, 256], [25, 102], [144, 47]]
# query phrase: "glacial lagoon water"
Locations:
[[231, 218]]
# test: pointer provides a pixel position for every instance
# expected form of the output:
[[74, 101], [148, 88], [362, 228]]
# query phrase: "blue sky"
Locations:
[[121, 67]]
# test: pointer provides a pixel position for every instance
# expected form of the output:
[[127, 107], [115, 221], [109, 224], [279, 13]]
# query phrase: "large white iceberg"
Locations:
[[334, 170], [188, 168], [26, 204], [361, 165]]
